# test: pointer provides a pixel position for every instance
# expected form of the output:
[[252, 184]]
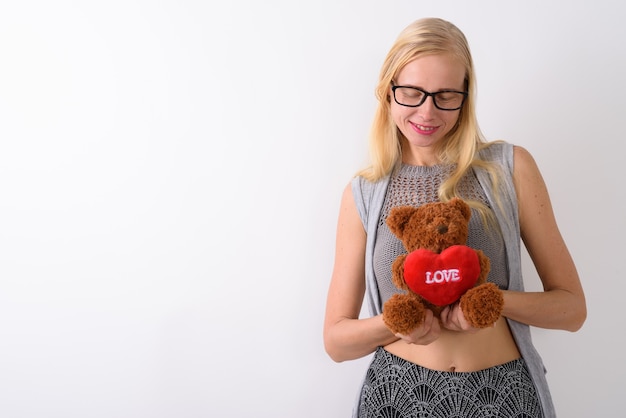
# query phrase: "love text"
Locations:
[[441, 276]]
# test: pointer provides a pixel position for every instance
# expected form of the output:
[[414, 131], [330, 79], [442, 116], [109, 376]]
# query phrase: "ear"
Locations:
[[398, 218], [461, 206]]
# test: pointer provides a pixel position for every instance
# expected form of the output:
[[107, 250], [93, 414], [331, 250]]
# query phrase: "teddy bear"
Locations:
[[439, 269]]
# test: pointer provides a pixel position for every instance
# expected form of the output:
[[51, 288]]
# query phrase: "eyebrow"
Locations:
[[394, 83], [435, 91]]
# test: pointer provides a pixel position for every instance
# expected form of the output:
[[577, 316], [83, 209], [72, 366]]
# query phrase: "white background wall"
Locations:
[[170, 175]]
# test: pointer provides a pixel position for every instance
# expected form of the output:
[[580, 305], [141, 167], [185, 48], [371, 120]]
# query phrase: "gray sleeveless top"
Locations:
[[369, 199]]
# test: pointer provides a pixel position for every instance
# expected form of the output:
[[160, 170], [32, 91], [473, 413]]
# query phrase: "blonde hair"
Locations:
[[429, 36]]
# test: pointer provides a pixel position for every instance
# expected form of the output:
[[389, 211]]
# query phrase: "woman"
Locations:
[[426, 146]]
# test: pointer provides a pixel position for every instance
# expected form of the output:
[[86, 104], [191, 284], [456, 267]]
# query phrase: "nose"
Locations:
[[427, 108], [442, 229]]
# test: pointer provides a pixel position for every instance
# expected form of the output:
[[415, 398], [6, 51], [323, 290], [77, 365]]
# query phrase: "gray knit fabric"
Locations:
[[369, 199], [415, 186], [397, 388]]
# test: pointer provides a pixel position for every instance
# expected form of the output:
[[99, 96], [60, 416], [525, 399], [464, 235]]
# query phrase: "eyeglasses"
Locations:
[[414, 97]]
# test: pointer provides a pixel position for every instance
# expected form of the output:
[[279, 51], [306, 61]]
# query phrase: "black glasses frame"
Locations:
[[426, 95]]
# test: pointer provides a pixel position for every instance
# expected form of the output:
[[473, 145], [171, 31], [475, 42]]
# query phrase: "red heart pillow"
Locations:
[[442, 278]]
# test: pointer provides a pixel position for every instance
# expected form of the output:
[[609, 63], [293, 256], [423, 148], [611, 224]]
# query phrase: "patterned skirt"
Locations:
[[397, 388]]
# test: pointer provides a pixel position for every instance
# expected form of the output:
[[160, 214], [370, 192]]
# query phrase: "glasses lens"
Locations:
[[408, 96], [449, 99]]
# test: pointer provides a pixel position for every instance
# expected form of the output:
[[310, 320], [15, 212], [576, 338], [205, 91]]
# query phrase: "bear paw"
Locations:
[[482, 305], [403, 313]]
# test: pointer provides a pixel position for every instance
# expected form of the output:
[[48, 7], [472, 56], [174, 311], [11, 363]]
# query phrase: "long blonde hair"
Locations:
[[427, 36]]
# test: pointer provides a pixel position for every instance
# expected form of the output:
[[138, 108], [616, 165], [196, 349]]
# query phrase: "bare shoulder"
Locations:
[[522, 158], [347, 197], [526, 173], [349, 218]]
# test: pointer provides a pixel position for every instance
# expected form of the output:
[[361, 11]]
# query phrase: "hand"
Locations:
[[452, 318], [426, 333]]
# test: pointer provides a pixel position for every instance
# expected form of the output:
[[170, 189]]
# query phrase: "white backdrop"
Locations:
[[170, 175]]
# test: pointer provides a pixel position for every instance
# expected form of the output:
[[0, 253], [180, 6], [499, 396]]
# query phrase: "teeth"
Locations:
[[425, 128]]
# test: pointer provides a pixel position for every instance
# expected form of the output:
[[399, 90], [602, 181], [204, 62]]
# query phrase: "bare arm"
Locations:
[[562, 303], [345, 336]]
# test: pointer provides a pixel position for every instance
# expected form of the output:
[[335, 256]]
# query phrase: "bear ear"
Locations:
[[398, 218], [462, 207]]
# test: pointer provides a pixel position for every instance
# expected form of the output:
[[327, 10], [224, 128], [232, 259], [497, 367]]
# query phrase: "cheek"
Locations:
[[399, 114], [451, 121]]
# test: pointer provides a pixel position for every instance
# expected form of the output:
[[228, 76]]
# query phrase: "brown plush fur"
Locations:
[[435, 227]]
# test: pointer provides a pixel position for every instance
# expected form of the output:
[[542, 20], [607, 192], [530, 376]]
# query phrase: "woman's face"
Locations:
[[426, 125]]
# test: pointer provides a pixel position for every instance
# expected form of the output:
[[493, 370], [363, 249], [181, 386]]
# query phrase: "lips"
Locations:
[[424, 129]]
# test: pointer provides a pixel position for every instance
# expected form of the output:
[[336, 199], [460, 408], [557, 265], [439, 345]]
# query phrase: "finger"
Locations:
[[456, 316], [464, 322], [427, 324], [426, 333], [428, 318], [445, 315], [451, 318], [435, 329]]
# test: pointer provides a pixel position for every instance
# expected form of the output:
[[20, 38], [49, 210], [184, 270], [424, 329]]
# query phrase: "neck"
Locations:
[[425, 156]]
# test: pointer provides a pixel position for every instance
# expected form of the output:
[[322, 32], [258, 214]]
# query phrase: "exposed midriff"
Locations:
[[461, 351]]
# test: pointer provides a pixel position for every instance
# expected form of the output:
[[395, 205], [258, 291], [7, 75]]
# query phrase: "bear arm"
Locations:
[[397, 272], [485, 267]]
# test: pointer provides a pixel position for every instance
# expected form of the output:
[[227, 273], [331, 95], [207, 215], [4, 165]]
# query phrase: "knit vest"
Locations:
[[369, 198]]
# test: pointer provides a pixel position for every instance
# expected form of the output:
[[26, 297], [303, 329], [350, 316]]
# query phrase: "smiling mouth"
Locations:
[[424, 129]]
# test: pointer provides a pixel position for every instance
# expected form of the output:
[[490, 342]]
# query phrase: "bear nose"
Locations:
[[442, 229]]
